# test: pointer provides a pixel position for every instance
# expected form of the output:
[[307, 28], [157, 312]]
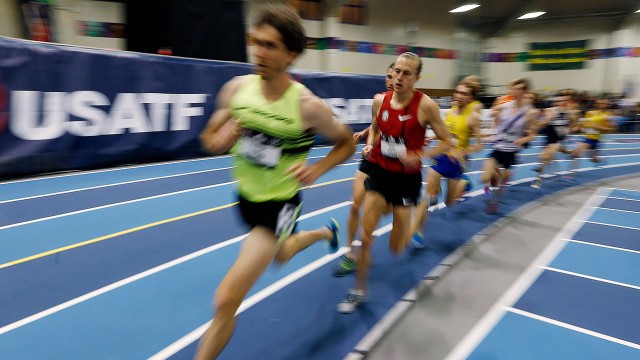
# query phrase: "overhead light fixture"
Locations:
[[638, 11], [464, 8], [532, 15]]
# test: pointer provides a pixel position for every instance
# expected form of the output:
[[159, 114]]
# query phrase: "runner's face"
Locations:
[[406, 75], [518, 90], [462, 95], [602, 104], [389, 79], [270, 56]]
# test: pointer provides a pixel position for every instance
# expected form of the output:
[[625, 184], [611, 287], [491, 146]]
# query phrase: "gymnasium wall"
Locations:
[[413, 24]]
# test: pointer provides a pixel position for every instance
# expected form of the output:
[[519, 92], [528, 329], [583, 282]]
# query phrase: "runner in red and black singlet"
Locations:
[[395, 143]]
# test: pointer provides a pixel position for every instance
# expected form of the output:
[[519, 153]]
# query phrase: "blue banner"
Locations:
[[65, 107]]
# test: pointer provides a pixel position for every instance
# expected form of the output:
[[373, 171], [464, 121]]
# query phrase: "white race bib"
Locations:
[[392, 149], [260, 150]]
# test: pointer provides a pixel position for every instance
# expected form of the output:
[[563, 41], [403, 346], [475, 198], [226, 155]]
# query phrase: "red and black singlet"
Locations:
[[400, 132]]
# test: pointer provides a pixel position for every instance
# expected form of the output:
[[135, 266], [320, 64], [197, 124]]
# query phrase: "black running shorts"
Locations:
[[397, 188], [264, 213]]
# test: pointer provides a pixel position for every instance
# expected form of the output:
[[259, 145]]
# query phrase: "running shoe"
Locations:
[[417, 240], [354, 299], [345, 266], [537, 184], [334, 241]]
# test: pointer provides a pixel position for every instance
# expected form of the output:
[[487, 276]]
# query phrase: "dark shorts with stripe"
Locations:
[[552, 136], [366, 166], [264, 213], [504, 158], [396, 188]]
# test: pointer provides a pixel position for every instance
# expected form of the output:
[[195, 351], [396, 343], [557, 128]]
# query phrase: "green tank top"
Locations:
[[273, 140]]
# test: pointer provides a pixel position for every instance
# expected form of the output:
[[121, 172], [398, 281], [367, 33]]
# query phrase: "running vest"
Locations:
[[458, 126], [400, 132], [511, 127], [273, 140], [558, 126], [595, 118]]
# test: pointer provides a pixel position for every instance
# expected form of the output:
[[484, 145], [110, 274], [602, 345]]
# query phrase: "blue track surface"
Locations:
[[582, 305], [122, 263]]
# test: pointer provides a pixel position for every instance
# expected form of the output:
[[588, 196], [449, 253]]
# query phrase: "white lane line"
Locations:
[[619, 210], [602, 246], [606, 224], [112, 205], [493, 316], [149, 272], [112, 184], [589, 277], [227, 168], [622, 198], [573, 328], [124, 168], [246, 304]]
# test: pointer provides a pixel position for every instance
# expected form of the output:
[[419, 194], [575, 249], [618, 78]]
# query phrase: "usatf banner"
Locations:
[[565, 55], [66, 107]]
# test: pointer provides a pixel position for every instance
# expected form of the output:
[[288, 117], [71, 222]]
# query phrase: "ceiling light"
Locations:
[[638, 11], [464, 8], [532, 15]]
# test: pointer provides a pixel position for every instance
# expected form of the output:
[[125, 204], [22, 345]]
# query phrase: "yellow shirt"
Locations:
[[458, 125], [595, 118]]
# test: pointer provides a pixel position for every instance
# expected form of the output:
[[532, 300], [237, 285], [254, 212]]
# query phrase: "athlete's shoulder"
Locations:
[[426, 100], [232, 85], [311, 101]]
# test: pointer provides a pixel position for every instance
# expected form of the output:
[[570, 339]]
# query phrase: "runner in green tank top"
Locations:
[[269, 118]]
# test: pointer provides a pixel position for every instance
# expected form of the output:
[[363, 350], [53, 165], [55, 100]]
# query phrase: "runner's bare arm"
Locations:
[[530, 128], [317, 116], [474, 126], [374, 134], [213, 138], [429, 114]]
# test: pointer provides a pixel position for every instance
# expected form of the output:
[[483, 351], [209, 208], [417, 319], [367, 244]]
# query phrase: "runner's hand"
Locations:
[[306, 175]]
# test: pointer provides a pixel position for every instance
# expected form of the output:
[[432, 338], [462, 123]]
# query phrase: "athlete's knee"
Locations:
[[355, 209], [226, 302]]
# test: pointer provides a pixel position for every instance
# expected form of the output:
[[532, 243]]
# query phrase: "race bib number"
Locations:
[[260, 149], [591, 131], [392, 148]]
